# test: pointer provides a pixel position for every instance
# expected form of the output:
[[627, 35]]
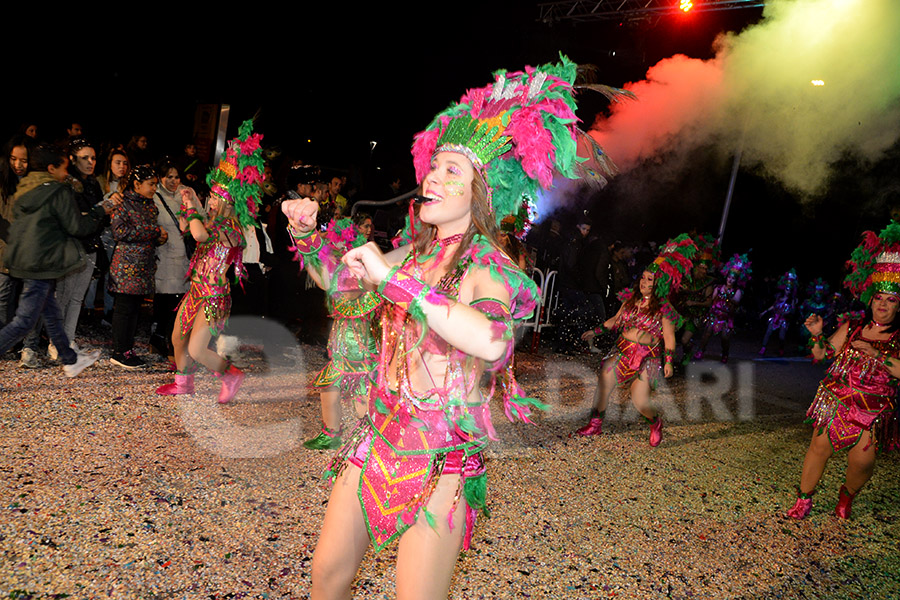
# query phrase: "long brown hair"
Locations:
[[482, 222], [653, 304]]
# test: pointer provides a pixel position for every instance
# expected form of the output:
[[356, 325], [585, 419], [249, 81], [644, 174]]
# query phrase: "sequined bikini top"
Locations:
[[637, 319]]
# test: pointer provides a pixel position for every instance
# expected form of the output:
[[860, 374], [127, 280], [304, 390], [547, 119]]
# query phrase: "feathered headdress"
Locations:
[[518, 132], [673, 265], [875, 264], [790, 277], [740, 266], [239, 176], [819, 286], [708, 250]]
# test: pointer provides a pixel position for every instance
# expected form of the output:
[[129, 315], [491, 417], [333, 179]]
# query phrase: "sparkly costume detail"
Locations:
[[209, 289], [858, 394], [721, 314], [411, 437]]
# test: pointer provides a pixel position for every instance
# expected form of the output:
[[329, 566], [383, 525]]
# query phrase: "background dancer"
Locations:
[[696, 293], [782, 309], [726, 298], [234, 195], [855, 406], [351, 343], [644, 320]]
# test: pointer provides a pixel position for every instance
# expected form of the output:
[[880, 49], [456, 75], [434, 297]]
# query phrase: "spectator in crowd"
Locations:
[[138, 150], [42, 247], [71, 289], [13, 166], [172, 258], [131, 274]]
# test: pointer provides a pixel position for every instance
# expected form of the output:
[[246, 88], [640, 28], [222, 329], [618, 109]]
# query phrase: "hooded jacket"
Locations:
[[42, 240]]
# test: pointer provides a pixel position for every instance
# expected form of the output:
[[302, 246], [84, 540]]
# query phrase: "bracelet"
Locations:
[[403, 290], [600, 330], [306, 244], [669, 356], [191, 213]]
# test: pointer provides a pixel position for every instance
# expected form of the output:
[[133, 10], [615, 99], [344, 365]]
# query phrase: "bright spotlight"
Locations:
[[685, 5], [818, 82]]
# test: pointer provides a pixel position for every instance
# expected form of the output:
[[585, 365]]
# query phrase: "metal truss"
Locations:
[[630, 10]]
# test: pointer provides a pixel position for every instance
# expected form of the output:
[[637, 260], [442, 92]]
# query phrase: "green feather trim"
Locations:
[[475, 490], [380, 407]]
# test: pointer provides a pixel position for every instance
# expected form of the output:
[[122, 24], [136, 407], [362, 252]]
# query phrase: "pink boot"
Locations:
[[656, 432], [592, 428], [184, 384], [801, 508], [845, 501], [231, 383]]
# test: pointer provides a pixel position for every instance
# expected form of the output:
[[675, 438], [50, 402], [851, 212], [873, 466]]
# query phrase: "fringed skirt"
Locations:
[[215, 300], [394, 488], [633, 360], [845, 412], [352, 364]]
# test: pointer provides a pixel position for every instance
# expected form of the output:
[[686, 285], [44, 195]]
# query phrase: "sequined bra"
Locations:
[[637, 319], [850, 359]]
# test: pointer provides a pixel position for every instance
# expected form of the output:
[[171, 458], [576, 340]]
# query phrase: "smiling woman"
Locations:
[[449, 298]]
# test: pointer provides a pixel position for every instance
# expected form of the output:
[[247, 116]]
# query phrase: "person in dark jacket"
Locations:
[[43, 247]]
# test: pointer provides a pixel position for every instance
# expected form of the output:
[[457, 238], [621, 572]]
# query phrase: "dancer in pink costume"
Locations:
[[645, 320], [413, 468], [726, 298], [203, 312], [855, 406]]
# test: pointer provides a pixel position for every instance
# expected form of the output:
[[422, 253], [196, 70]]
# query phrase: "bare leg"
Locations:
[[360, 404], [817, 456], [183, 360], [640, 397], [606, 387], [686, 337], [331, 408], [343, 540], [860, 463], [426, 556], [198, 345]]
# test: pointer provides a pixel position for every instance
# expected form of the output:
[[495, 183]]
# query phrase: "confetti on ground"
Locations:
[[109, 491]]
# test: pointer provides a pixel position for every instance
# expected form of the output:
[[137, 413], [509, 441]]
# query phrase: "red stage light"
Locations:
[[686, 5]]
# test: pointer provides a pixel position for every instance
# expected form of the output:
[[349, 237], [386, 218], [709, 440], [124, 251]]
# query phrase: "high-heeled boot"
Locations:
[[845, 501], [183, 384], [802, 507], [231, 382]]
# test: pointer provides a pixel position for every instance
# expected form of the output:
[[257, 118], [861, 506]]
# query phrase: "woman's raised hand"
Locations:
[[301, 214], [367, 263], [814, 324]]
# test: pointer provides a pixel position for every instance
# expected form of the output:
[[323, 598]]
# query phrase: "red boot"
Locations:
[[802, 507], [592, 428], [845, 501], [231, 383], [184, 384], [656, 432]]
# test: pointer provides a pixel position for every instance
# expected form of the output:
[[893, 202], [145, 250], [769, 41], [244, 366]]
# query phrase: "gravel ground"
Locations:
[[109, 491]]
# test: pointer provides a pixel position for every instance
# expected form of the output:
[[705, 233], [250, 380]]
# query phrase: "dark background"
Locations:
[[323, 83]]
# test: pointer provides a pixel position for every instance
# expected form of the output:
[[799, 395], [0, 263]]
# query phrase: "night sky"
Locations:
[[344, 77]]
